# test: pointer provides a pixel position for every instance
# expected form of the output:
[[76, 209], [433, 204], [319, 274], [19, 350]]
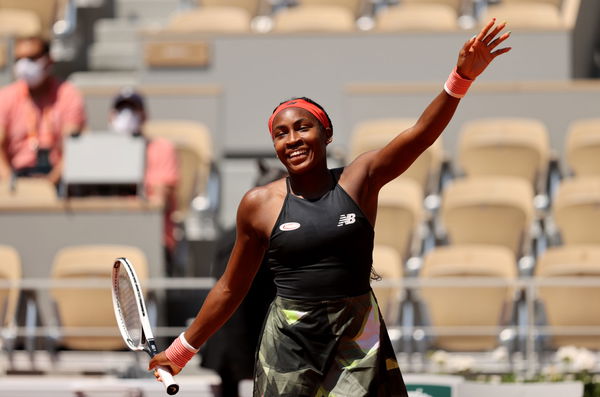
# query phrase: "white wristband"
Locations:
[[186, 344]]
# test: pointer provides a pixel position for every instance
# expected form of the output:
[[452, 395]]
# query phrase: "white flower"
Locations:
[[584, 361], [461, 363], [439, 357], [566, 354], [500, 354]]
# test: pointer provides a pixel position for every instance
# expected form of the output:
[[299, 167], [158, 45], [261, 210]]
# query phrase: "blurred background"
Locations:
[[488, 246]]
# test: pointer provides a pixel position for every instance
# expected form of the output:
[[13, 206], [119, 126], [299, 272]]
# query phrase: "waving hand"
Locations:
[[480, 50]]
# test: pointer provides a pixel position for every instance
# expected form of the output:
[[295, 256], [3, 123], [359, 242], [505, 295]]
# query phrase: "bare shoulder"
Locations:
[[260, 207]]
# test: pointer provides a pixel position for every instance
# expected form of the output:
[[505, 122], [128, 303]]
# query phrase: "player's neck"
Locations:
[[312, 185]]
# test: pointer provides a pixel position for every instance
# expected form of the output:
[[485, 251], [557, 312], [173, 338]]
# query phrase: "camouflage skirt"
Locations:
[[336, 348]]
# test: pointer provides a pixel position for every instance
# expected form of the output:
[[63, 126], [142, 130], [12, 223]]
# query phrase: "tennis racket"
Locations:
[[132, 317]]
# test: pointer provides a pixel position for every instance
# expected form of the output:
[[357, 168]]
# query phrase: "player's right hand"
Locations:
[[161, 360]]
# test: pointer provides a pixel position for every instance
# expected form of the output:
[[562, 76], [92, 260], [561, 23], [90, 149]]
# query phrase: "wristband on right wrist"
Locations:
[[180, 351], [457, 86]]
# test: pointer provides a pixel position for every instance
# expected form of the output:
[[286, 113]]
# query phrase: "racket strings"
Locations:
[[129, 309]]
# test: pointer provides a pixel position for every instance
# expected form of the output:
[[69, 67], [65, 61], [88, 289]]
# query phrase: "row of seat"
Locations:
[[327, 16], [518, 147], [493, 305]]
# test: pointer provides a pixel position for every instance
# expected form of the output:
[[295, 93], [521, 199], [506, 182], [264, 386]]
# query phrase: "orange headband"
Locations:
[[301, 103]]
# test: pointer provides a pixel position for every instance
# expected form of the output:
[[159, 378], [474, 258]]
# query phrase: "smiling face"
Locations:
[[299, 139]]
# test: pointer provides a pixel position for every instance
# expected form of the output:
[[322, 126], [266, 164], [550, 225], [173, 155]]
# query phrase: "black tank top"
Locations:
[[321, 248]]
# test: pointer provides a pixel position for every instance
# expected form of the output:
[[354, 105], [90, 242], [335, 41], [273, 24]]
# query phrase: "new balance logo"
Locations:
[[347, 219]]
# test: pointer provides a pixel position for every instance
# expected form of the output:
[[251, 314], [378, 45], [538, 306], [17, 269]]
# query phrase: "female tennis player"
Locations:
[[324, 334]]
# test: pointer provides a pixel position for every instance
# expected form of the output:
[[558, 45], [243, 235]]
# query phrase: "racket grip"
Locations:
[[168, 380]]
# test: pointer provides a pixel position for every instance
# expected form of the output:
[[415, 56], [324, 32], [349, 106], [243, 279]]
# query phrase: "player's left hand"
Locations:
[[480, 50]]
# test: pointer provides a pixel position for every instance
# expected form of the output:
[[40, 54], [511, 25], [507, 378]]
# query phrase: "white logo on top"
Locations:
[[347, 219], [289, 226]]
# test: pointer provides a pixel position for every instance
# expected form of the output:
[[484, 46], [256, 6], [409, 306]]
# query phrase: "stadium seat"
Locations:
[[311, 19], [583, 147], [192, 135], [399, 217], [88, 307], [252, 6], [353, 6], [525, 14], [516, 147], [29, 17], [374, 134], [10, 270], [576, 210], [388, 265], [219, 19], [569, 305], [465, 307], [488, 210], [416, 17], [20, 23], [26, 192]]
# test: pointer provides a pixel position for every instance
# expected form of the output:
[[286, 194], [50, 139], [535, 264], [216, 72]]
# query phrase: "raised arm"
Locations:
[[392, 160], [230, 290]]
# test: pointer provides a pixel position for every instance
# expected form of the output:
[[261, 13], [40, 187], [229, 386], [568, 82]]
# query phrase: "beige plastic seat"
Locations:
[[188, 185], [186, 134], [252, 6], [20, 23], [388, 264], [571, 305], [417, 17], [36, 17], [353, 6], [525, 14], [219, 19], [576, 210], [478, 306], [91, 307], [27, 192], [376, 133], [399, 216], [10, 270], [583, 147], [517, 147], [455, 4], [492, 210], [313, 19]]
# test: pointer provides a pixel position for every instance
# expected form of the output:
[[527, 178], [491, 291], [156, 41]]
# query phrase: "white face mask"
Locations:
[[126, 122], [32, 72]]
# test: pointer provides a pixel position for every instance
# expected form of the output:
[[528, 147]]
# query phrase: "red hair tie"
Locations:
[[301, 103]]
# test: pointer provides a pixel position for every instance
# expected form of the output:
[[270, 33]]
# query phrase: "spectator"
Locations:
[[127, 116], [36, 112]]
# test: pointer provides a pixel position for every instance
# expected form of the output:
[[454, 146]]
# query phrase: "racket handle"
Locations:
[[168, 380]]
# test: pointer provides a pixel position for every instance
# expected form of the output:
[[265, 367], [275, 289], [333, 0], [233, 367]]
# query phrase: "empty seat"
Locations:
[[376, 133], [36, 17], [576, 210], [88, 307], [187, 136], [399, 216], [387, 264], [505, 146], [492, 210], [466, 306], [525, 15], [252, 6], [20, 23], [27, 192], [583, 147], [353, 6], [570, 305], [313, 19], [10, 270], [417, 17], [219, 19]]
